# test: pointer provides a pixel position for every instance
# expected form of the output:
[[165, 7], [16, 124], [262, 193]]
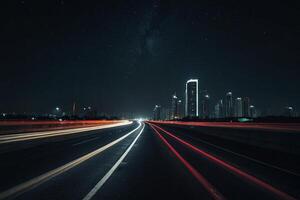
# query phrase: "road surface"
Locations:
[[143, 160]]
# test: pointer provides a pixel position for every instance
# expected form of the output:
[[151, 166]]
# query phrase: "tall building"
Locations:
[[157, 112], [165, 113], [180, 109], [238, 107], [177, 110], [205, 107], [229, 110], [174, 107], [252, 111], [246, 107], [219, 109], [191, 98]]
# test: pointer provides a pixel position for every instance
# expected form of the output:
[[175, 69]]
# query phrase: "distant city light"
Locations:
[[140, 119]]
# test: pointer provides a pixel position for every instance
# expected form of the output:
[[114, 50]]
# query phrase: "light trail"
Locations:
[[30, 184], [234, 170], [245, 157], [55, 122], [206, 184], [260, 126], [44, 134], [98, 186]]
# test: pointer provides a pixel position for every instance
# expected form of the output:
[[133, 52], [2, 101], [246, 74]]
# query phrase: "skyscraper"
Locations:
[[252, 111], [229, 105], [165, 113], [191, 98], [219, 109], [246, 107], [174, 107], [238, 107], [157, 112], [180, 109], [205, 107]]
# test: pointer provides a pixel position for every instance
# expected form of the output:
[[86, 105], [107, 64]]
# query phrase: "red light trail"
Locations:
[[264, 126], [240, 173], [210, 188]]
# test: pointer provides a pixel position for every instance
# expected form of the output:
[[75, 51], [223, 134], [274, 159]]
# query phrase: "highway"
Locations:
[[143, 160]]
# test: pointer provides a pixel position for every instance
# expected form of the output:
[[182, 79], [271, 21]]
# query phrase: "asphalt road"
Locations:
[[139, 161]]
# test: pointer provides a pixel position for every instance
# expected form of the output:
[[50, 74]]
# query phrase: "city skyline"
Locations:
[[237, 109], [228, 106]]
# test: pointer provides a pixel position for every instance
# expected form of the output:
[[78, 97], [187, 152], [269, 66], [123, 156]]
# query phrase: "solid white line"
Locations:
[[44, 134], [17, 190], [111, 171]]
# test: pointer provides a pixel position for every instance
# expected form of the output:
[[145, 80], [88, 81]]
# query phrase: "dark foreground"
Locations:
[[151, 162]]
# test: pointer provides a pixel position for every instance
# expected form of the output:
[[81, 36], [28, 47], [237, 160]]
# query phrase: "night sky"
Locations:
[[127, 56]]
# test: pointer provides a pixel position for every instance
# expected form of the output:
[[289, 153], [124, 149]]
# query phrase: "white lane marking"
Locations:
[[44, 134], [85, 141], [247, 157], [17, 190], [111, 171]]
